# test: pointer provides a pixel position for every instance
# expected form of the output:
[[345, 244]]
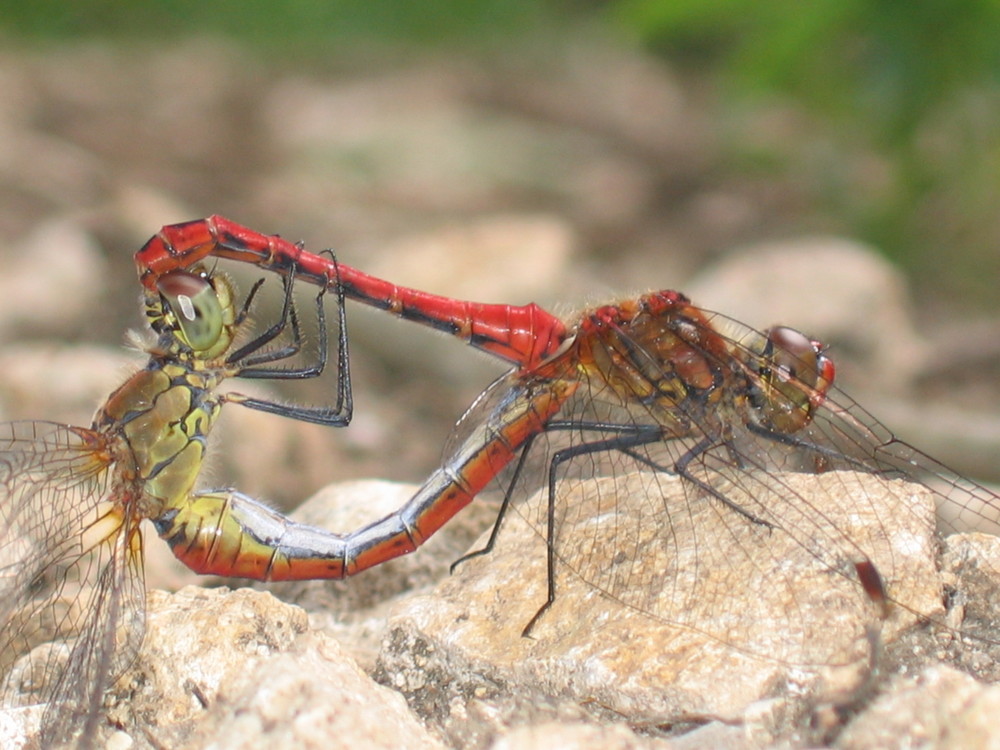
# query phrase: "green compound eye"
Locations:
[[195, 306]]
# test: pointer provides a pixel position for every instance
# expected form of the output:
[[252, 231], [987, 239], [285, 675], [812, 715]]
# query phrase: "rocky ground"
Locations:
[[568, 178]]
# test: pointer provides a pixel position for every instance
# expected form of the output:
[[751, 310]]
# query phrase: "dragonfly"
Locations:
[[522, 335], [72, 498], [660, 387], [654, 385]]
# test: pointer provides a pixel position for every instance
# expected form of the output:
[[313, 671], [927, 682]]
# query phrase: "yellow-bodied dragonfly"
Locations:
[[72, 498]]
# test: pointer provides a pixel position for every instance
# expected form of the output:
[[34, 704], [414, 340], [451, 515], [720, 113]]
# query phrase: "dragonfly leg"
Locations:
[[628, 437], [345, 401], [244, 312], [502, 512], [840, 458], [681, 469], [509, 492], [248, 357], [340, 414]]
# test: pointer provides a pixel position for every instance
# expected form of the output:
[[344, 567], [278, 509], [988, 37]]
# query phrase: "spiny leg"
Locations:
[[681, 469], [522, 459], [248, 357], [341, 414]]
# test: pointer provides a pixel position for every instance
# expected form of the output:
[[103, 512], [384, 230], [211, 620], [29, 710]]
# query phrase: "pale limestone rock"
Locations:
[[740, 613], [938, 708]]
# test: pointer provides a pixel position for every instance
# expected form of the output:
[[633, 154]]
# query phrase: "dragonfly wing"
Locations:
[[491, 402], [843, 435], [668, 500], [70, 581], [113, 625]]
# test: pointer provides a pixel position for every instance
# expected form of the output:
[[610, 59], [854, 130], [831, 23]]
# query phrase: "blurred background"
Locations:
[[833, 166]]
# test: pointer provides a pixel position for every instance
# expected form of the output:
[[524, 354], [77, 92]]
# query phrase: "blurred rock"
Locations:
[[53, 280], [504, 259], [483, 260], [938, 708], [55, 382], [450, 139], [143, 209], [834, 290], [596, 86], [377, 148]]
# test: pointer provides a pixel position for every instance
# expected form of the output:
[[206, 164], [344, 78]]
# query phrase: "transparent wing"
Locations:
[[694, 499], [112, 626], [71, 589]]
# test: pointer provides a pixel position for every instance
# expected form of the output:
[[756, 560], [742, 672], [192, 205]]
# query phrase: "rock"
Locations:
[[971, 568], [938, 708], [197, 643], [309, 698], [230, 669], [773, 633], [355, 609], [716, 616], [577, 736], [19, 726]]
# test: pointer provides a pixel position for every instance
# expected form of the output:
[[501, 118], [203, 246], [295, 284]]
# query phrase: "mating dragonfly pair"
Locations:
[[652, 385]]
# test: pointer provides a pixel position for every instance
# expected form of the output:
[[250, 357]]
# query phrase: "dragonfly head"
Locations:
[[792, 377], [194, 309]]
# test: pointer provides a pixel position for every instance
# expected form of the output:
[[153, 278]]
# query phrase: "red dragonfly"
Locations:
[[522, 335], [653, 385]]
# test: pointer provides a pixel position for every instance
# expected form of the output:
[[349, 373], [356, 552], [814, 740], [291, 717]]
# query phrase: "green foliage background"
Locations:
[[913, 83]]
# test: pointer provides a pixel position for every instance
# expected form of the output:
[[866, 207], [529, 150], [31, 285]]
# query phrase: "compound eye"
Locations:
[[195, 306], [794, 377], [795, 354]]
